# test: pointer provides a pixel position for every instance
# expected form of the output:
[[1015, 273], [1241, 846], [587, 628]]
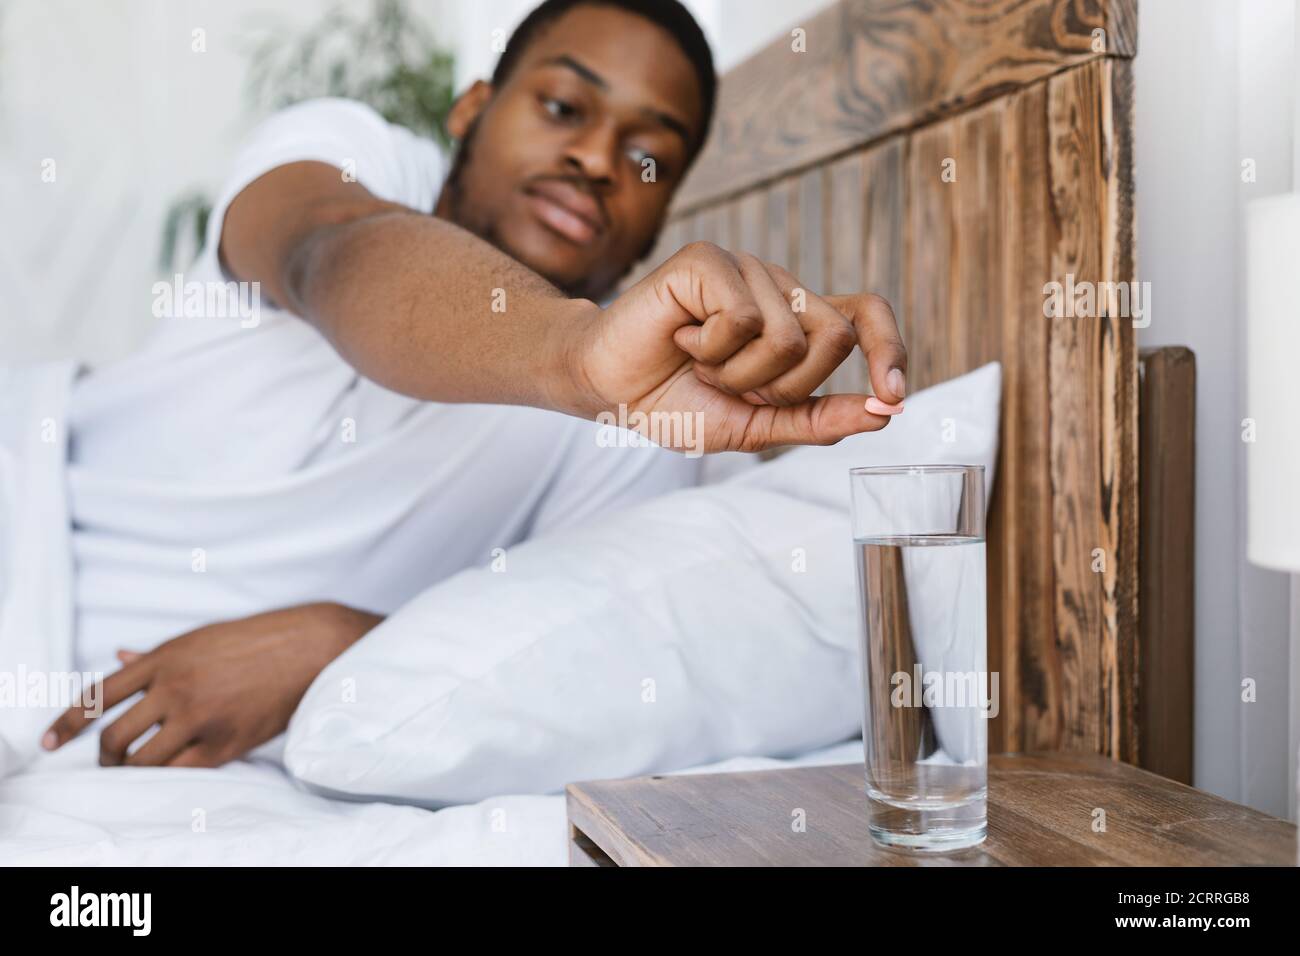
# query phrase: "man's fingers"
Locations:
[[780, 346], [708, 285], [818, 421], [831, 337], [117, 737], [722, 334], [749, 336], [881, 343], [117, 687], [196, 755], [172, 738]]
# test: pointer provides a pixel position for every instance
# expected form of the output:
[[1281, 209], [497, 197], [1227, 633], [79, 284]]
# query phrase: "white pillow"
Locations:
[[709, 623]]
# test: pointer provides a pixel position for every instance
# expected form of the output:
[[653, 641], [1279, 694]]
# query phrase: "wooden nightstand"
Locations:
[[1041, 812]]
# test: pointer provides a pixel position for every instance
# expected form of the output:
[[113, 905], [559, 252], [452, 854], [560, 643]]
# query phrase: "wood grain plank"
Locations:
[[864, 252], [975, 330], [1121, 488], [930, 282], [813, 222], [669, 241], [811, 267], [1086, 408], [1167, 432], [980, 238], [847, 222], [711, 225], [1022, 609], [874, 67], [751, 224], [782, 220], [1075, 170], [885, 242], [692, 228]]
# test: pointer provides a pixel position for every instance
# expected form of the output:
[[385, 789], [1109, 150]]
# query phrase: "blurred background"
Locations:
[[139, 104]]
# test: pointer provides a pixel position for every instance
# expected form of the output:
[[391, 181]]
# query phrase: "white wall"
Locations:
[[1267, 87], [113, 92], [1215, 85]]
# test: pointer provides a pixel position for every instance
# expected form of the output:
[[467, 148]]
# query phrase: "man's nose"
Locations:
[[592, 150]]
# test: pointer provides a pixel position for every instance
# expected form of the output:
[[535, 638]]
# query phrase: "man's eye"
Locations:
[[559, 108], [639, 156]]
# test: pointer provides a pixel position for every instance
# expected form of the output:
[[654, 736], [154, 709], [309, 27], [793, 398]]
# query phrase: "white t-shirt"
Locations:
[[224, 470]]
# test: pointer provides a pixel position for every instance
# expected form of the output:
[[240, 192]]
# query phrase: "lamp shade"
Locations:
[[1271, 426]]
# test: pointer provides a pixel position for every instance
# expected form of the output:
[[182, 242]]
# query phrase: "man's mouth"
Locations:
[[567, 210]]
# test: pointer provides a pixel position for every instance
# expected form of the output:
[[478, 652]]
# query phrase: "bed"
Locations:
[[69, 812]]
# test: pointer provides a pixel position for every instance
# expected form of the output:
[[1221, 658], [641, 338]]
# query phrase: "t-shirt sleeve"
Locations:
[[605, 471], [389, 161]]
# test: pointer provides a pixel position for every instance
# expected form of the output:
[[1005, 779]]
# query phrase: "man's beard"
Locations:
[[457, 202], [460, 212]]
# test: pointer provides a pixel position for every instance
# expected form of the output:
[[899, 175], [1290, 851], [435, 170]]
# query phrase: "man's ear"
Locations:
[[467, 108]]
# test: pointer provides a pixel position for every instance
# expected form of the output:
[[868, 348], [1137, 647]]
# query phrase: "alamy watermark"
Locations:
[[960, 689], [179, 299], [61, 689], [129, 910], [683, 431], [1091, 300]]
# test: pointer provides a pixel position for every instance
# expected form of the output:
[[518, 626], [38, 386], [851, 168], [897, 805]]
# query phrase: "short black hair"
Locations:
[[669, 14]]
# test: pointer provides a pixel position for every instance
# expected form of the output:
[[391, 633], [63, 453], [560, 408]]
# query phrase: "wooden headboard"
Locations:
[[956, 156]]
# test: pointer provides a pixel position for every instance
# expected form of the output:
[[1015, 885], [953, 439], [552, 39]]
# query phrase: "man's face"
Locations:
[[554, 165]]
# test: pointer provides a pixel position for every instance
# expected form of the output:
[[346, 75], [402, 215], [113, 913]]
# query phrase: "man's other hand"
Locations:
[[219, 691]]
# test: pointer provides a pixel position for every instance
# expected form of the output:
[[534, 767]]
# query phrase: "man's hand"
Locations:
[[740, 342], [219, 691], [423, 307]]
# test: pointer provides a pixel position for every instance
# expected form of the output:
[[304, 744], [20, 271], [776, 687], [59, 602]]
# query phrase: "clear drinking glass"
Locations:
[[918, 533]]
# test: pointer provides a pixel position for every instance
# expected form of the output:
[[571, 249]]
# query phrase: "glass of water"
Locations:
[[918, 534]]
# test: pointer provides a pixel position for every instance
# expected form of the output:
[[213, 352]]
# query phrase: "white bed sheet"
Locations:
[[67, 811]]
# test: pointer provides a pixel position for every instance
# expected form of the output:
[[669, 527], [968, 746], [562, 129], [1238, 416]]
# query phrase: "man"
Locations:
[[213, 476]]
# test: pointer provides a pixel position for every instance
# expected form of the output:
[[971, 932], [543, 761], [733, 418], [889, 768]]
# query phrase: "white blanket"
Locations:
[[66, 811], [35, 558]]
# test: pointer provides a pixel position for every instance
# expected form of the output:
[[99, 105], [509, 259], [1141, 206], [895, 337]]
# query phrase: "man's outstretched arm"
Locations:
[[407, 299], [404, 297]]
